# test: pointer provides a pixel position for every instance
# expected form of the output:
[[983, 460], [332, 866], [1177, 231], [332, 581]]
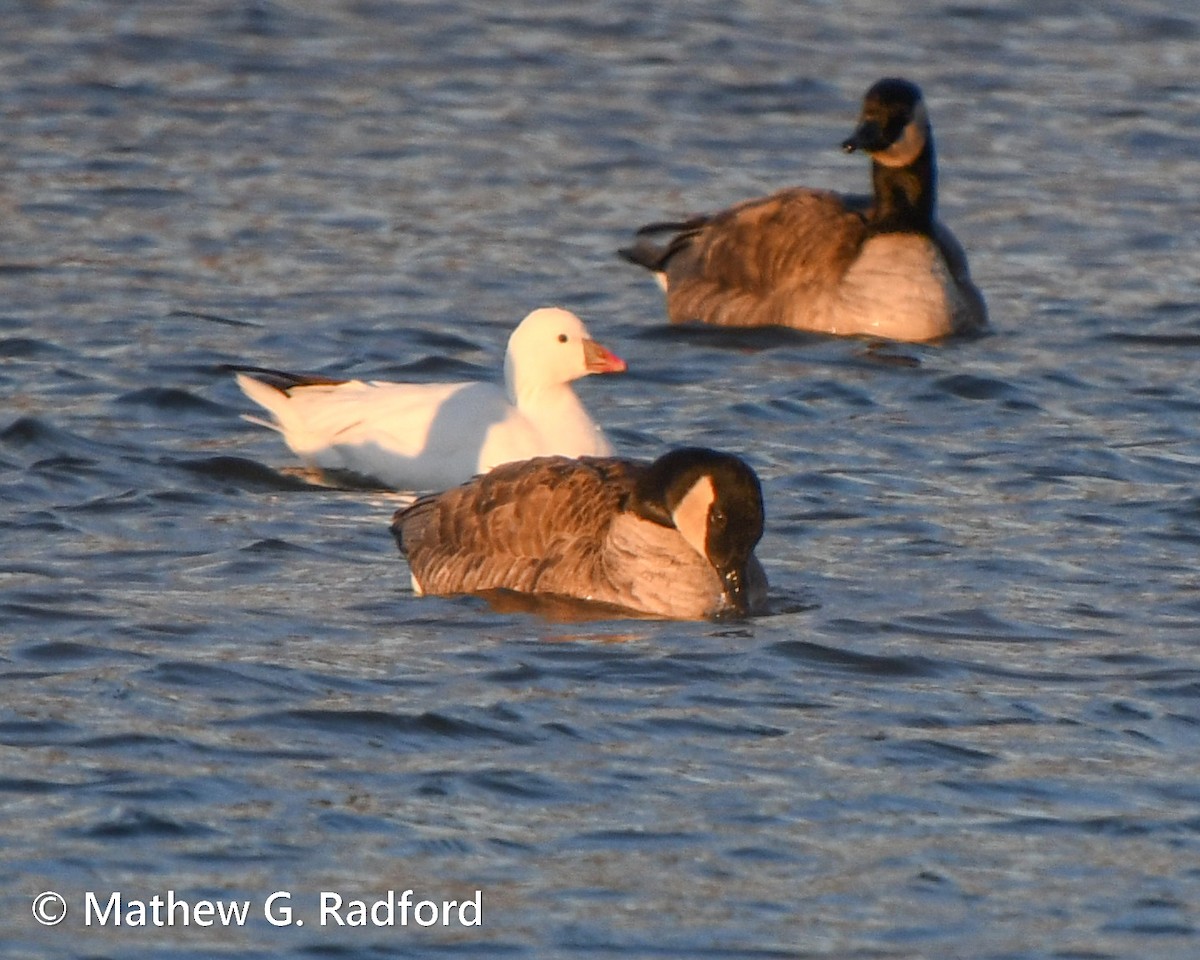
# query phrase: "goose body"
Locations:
[[674, 538], [880, 266], [415, 436]]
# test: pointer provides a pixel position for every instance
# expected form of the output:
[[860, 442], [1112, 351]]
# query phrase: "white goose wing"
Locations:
[[409, 436]]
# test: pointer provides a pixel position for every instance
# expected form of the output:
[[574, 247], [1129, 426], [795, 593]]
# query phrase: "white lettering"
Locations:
[[388, 918], [475, 904], [233, 913], [92, 908], [331, 903], [335, 910], [172, 906], [281, 916], [160, 912], [168, 910], [432, 916], [356, 916]]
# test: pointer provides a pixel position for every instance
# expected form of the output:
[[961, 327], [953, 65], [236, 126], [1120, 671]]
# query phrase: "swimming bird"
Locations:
[[673, 538], [430, 436], [880, 266]]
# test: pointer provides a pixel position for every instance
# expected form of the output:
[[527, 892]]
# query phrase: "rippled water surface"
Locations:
[[970, 726]]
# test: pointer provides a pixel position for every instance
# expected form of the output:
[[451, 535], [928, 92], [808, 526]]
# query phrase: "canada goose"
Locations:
[[674, 538], [881, 266], [430, 436]]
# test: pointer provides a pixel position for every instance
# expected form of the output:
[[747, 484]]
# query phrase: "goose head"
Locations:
[[552, 347], [894, 124], [715, 502]]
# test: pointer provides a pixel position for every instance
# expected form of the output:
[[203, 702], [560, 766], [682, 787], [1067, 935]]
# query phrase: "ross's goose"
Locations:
[[430, 436]]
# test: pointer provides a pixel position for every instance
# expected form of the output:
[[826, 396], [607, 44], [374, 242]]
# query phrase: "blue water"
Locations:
[[970, 726]]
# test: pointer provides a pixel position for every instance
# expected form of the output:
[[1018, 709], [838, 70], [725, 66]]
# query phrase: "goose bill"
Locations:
[[736, 590], [600, 359], [867, 136]]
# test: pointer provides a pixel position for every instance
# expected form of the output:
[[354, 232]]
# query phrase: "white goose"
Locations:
[[430, 436]]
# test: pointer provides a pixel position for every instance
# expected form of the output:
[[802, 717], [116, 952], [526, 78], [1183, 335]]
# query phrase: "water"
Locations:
[[969, 727]]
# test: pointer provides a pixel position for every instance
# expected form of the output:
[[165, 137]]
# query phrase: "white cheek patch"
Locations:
[[912, 141], [691, 516]]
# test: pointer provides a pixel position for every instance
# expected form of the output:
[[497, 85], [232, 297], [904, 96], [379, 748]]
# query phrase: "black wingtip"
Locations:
[[397, 530], [404, 514], [280, 379], [641, 255], [672, 226]]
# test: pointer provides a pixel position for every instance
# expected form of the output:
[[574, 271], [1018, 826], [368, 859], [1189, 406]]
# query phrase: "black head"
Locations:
[[715, 502], [892, 110]]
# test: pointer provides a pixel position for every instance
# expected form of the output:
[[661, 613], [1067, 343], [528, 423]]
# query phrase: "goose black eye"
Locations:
[[562, 338], [716, 517]]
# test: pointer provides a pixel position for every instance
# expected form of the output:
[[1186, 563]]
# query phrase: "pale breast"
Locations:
[[648, 567], [898, 287]]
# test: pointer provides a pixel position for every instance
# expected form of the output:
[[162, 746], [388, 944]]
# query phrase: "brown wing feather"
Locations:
[[534, 526], [751, 264]]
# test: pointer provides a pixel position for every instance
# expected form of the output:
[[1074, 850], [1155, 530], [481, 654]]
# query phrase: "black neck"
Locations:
[[905, 197]]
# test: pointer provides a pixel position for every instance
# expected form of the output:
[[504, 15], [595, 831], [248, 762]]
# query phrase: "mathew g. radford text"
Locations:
[[328, 908]]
